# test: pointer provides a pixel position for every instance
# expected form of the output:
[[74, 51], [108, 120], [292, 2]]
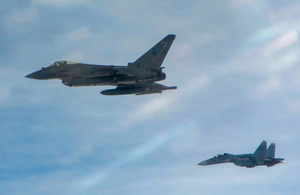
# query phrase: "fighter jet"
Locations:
[[261, 157], [137, 77]]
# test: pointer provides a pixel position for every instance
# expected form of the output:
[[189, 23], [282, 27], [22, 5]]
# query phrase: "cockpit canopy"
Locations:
[[62, 63], [220, 155]]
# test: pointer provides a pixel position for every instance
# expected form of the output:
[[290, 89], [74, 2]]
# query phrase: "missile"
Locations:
[[155, 90]]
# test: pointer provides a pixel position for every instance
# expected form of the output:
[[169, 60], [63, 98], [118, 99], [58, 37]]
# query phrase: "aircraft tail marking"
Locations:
[[154, 57]]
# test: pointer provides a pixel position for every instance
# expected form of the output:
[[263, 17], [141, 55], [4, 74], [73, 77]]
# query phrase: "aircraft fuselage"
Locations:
[[72, 75]]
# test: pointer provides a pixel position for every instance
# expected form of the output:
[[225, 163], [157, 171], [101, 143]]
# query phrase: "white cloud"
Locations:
[[281, 42], [81, 151], [149, 109], [63, 3], [272, 58], [188, 142], [78, 34], [197, 83], [165, 103], [182, 51], [268, 87], [237, 3], [4, 94], [141, 151], [293, 106], [286, 12], [74, 36], [76, 56], [16, 21], [208, 37], [126, 12]]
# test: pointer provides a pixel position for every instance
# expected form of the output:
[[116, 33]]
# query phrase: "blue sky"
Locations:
[[236, 65]]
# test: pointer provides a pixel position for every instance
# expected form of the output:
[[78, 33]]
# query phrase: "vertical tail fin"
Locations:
[[154, 57], [260, 152], [271, 151]]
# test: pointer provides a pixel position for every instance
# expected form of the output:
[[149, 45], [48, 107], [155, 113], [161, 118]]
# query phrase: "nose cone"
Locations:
[[203, 163], [35, 75]]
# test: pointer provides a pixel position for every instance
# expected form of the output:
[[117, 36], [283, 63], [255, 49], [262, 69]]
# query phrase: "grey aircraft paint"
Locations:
[[138, 77], [261, 157]]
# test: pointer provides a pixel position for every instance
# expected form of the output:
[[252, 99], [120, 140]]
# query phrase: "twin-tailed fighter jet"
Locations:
[[261, 157], [138, 77]]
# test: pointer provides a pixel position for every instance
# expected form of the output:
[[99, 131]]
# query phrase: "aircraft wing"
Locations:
[[96, 71]]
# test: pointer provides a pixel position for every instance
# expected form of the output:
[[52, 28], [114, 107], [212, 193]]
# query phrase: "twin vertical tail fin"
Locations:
[[271, 151], [260, 152], [154, 57]]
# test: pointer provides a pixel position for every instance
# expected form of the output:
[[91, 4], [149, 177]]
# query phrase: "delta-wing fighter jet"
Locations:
[[261, 157], [138, 77]]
